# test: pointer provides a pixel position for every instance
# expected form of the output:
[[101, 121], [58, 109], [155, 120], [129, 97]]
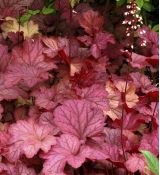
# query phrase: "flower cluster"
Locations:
[[132, 18]]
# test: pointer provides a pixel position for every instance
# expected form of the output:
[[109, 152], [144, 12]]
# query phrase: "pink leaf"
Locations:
[[87, 40], [138, 61], [67, 150], [78, 118], [47, 119], [28, 137], [45, 98], [96, 52], [102, 39], [52, 44], [19, 168], [9, 92], [113, 142], [150, 143], [143, 82], [96, 95], [28, 66], [132, 121], [113, 137], [136, 162]]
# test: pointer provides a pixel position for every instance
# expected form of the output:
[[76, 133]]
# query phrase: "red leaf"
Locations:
[[91, 22], [4, 57], [64, 56], [153, 60], [154, 96]]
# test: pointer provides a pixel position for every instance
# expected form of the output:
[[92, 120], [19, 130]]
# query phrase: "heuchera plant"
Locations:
[[78, 88]]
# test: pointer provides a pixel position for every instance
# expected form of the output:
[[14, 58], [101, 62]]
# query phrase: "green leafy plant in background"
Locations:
[[144, 4], [156, 28], [26, 17], [152, 162], [47, 9]]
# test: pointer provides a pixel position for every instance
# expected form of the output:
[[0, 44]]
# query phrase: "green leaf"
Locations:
[[156, 28], [25, 18], [140, 3], [120, 2], [74, 2], [48, 3], [48, 10], [33, 12], [152, 162], [148, 7]]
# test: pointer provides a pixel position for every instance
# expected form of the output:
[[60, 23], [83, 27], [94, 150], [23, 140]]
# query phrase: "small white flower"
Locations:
[[128, 34]]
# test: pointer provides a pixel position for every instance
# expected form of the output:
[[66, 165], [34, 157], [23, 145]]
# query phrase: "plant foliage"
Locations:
[[78, 87]]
